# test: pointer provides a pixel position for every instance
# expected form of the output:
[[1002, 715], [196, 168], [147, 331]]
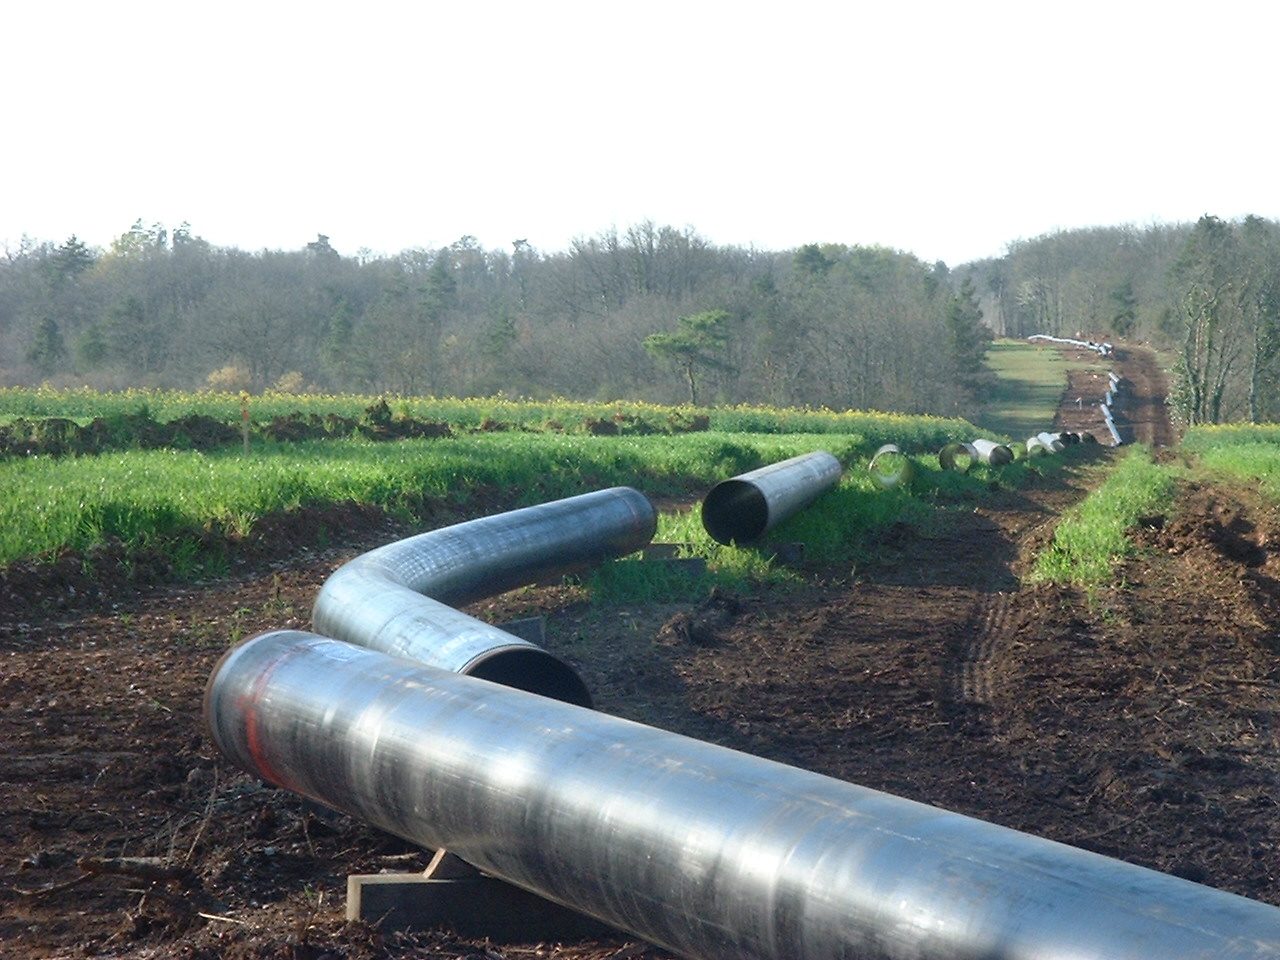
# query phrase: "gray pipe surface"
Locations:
[[1051, 442], [884, 462], [708, 852], [992, 453], [399, 598], [744, 508], [958, 456]]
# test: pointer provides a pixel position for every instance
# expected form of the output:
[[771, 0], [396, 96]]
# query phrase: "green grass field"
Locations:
[[1030, 381], [169, 500]]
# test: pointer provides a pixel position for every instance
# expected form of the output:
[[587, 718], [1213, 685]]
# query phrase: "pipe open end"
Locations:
[[735, 511], [957, 456], [890, 467], [533, 670]]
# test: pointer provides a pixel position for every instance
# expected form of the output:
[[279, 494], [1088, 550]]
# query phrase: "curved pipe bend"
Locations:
[[400, 598]]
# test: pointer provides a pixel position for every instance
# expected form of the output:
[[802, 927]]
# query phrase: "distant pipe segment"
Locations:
[[959, 456], [992, 453], [1104, 349], [1051, 442], [705, 851], [399, 598], [890, 467], [744, 508]]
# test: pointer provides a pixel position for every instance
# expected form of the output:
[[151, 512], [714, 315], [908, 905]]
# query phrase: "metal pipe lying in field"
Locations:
[[1111, 425], [398, 598], [959, 456], [744, 508], [890, 467], [1104, 349], [1051, 442], [705, 851], [992, 453]]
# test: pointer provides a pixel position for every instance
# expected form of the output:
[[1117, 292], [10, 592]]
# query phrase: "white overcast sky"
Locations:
[[947, 129]]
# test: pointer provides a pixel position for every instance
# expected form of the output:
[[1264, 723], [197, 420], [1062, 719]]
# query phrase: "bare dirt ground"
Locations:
[[1140, 722]]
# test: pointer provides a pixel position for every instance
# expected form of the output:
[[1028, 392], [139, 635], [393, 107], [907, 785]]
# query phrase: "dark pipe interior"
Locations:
[[735, 511], [533, 670]]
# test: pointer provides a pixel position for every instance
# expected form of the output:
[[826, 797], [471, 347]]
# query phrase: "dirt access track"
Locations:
[[1140, 723]]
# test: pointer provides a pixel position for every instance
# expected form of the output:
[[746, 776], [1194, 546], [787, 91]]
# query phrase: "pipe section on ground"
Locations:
[[958, 456], [890, 467], [1104, 349], [399, 598], [992, 453], [705, 851], [744, 508], [1052, 442]]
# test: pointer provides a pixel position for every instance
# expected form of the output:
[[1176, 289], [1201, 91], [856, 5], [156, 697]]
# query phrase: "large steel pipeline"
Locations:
[[705, 851], [744, 508], [399, 598]]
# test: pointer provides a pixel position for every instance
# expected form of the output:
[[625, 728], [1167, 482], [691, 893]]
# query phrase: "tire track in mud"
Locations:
[[978, 661], [979, 656], [971, 676]]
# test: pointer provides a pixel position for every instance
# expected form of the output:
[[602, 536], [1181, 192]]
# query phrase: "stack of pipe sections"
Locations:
[[742, 509], [399, 598], [702, 850]]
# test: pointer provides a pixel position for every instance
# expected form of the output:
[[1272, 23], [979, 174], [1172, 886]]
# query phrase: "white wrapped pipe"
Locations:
[[1052, 442], [992, 453]]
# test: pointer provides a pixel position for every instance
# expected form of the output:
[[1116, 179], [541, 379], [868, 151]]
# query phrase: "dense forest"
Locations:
[[650, 313]]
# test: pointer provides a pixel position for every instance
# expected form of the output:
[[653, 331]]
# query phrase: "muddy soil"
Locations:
[[1139, 722]]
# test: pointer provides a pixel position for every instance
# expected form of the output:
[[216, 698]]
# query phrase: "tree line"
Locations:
[[649, 313], [1207, 295]]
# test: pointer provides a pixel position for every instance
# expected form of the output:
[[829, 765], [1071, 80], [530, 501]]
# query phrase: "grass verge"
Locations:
[[1093, 537]]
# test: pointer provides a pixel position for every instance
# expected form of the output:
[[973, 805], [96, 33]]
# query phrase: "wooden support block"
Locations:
[[477, 906], [446, 866], [669, 555], [533, 629]]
